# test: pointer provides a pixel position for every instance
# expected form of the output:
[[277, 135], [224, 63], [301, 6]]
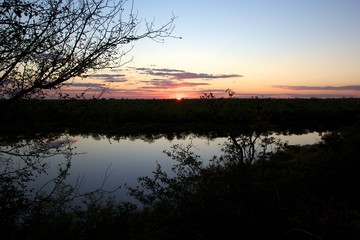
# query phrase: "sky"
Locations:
[[256, 48]]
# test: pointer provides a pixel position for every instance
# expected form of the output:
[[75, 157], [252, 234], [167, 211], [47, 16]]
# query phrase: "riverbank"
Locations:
[[174, 116]]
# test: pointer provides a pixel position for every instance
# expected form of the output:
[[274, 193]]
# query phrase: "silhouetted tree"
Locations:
[[248, 142], [44, 43], [22, 161], [34, 197]]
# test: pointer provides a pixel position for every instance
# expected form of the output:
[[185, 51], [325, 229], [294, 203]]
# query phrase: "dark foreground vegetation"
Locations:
[[296, 192]]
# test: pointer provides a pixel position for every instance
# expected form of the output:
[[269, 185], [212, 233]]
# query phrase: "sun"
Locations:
[[179, 97]]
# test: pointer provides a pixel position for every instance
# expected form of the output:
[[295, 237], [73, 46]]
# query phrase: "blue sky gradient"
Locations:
[[277, 48]]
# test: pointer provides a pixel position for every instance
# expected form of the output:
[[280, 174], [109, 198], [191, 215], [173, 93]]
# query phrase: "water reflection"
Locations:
[[121, 160], [128, 158]]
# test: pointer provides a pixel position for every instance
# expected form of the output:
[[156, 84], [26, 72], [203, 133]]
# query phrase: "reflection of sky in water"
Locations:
[[125, 160], [293, 139]]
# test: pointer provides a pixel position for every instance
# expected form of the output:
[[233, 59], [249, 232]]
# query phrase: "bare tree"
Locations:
[[44, 43]]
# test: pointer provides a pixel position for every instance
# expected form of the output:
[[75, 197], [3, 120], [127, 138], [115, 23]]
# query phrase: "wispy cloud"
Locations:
[[165, 78], [87, 85], [176, 74], [323, 88], [166, 84], [150, 82], [110, 77]]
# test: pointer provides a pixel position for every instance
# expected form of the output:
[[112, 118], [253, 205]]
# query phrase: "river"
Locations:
[[113, 162]]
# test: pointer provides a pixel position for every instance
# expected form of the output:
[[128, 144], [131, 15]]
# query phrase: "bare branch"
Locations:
[[45, 43]]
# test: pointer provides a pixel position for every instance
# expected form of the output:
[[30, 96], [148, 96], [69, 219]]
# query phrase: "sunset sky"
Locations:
[[264, 48]]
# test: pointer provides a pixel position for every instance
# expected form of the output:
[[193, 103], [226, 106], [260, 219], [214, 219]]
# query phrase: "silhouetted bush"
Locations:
[[302, 192], [297, 192]]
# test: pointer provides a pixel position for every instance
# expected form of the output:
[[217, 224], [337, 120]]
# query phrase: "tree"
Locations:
[[247, 142], [45, 43], [35, 192], [22, 161], [219, 197]]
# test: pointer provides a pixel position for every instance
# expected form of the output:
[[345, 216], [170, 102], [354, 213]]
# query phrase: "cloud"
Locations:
[[159, 70], [165, 84], [110, 77], [322, 88], [148, 82], [87, 85], [176, 74]]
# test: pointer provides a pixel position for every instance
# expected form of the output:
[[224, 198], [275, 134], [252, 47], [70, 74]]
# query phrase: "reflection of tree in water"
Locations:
[[151, 137], [24, 161], [244, 147]]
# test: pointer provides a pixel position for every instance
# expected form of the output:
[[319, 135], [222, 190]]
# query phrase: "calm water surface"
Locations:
[[124, 160]]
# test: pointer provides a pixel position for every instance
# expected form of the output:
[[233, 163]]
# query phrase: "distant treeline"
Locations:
[[195, 115]]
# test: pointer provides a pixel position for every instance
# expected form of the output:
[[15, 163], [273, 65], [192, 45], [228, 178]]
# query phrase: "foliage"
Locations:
[[130, 117], [298, 192], [21, 163], [36, 205], [291, 192], [258, 188], [45, 43], [306, 192], [99, 217]]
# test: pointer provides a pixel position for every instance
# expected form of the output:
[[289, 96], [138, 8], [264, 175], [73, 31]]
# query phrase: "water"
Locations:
[[113, 162]]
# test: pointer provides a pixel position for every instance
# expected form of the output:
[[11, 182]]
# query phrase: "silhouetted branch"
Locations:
[[44, 43]]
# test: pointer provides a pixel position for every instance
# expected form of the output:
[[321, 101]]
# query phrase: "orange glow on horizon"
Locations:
[[244, 89]]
